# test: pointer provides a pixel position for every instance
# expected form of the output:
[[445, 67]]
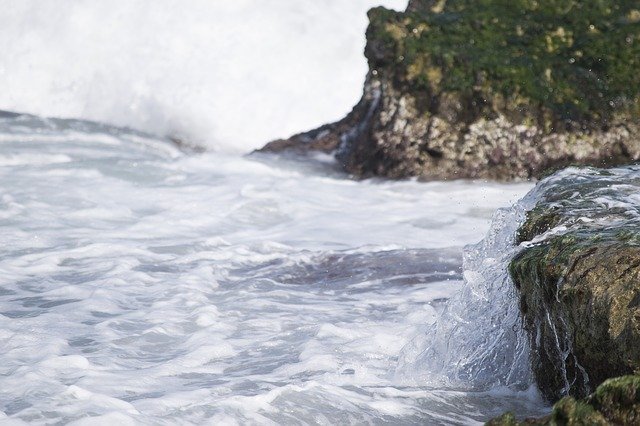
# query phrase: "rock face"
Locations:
[[616, 401], [491, 89], [579, 279]]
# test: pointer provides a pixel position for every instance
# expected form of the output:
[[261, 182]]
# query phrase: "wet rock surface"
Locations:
[[578, 277], [493, 89]]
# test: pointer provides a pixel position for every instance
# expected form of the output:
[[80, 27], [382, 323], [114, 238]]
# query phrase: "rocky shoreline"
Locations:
[[503, 91]]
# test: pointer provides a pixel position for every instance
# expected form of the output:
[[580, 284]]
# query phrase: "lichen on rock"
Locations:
[[491, 89]]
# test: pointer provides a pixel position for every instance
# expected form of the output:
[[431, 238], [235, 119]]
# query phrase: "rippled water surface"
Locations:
[[139, 284]]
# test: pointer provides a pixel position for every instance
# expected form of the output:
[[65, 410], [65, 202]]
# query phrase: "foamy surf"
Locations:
[[142, 285]]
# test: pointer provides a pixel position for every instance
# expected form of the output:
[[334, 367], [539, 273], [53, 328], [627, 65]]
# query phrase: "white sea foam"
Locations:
[[227, 74], [478, 342], [140, 285]]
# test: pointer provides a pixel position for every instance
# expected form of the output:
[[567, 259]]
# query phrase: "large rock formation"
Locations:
[[578, 276], [491, 89]]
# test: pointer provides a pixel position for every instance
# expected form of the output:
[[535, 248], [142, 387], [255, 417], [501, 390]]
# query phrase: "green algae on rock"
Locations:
[[616, 401], [491, 89], [578, 276], [576, 59]]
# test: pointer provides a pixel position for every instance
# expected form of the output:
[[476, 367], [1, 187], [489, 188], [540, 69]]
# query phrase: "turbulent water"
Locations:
[[478, 341], [145, 285], [141, 284]]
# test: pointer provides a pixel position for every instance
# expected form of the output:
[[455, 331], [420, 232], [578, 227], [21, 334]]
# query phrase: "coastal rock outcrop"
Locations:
[[578, 277], [491, 89]]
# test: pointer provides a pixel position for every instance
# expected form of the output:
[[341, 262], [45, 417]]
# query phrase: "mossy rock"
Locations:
[[550, 60], [616, 401], [578, 277], [491, 89], [539, 220]]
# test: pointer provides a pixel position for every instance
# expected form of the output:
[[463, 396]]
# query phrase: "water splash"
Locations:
[[199, 71], [478, 342]]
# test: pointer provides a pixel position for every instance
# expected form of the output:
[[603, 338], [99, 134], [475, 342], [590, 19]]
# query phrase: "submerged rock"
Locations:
[[616, 401], [578, 276], [491, 89]]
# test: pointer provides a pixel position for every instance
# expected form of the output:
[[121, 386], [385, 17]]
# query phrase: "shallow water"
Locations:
[[141, 284]]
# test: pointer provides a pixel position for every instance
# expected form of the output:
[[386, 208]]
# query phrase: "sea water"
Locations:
[[140, 284]]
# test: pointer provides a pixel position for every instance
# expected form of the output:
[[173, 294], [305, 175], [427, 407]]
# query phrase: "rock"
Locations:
[[616, 401], [578, 277], [492, 89]]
